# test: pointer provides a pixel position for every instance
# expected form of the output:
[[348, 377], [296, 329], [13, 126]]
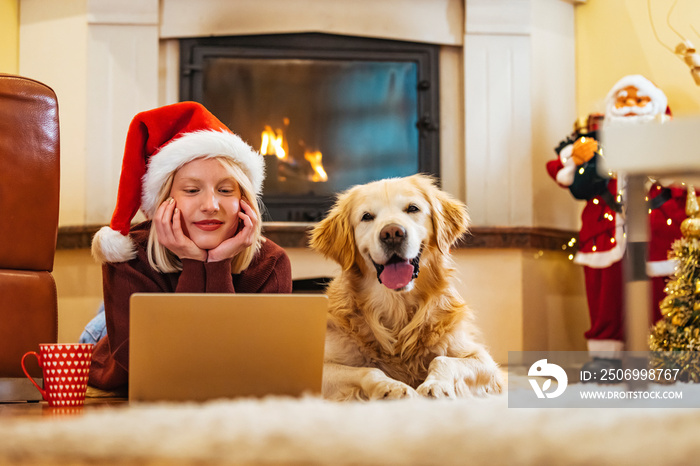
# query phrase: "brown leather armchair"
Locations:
[[29, 195]]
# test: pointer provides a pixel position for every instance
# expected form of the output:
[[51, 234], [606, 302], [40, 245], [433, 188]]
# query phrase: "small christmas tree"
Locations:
[[679, 330]]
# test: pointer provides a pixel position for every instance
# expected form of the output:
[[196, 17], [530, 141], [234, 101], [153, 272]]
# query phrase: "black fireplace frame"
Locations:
[[317, 46]]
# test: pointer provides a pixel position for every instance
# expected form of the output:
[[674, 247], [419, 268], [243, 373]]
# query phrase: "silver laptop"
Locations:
[[196, 347]]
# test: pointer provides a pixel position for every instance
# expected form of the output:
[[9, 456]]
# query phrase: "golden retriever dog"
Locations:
[[397, 328]]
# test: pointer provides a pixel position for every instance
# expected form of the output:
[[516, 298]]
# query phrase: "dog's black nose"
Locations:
[[392, 234]]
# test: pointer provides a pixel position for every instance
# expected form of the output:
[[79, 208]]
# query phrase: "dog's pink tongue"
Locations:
[[396, 275]]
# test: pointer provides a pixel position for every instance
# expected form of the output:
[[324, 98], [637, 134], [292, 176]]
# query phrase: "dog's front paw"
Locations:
[[376, 385], [495, 384], [391, 390], [437, 389], [450, 377]]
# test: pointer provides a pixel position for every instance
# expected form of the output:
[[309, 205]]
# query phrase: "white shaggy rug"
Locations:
[[314, 431]]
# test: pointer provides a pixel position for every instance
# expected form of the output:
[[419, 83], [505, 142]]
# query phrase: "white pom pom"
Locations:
[[111, 246]]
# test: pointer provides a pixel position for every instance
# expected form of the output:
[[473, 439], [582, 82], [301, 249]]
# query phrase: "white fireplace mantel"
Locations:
[[507, 83]]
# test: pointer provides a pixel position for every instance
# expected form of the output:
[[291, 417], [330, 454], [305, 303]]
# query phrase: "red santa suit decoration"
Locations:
[[632, 100], [666, 213]]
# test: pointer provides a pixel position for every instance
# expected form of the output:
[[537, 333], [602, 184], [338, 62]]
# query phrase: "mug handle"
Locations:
[[38, 358]]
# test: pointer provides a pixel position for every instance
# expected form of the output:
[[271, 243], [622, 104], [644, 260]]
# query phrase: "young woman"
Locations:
[[198, 184]]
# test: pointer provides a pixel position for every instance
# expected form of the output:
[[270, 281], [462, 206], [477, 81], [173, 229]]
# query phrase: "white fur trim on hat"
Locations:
[[111, 246], [198, 144]]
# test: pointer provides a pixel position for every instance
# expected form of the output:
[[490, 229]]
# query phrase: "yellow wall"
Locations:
[[615, 38], [9, 36]]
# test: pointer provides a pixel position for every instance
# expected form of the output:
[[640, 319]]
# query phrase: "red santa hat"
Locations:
[[158, 143]]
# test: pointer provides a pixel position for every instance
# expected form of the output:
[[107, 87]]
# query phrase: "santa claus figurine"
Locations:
[[632, 100], [666, 202]]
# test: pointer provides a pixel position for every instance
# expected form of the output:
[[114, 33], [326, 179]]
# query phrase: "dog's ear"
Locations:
[[334, 237], [450, 217]]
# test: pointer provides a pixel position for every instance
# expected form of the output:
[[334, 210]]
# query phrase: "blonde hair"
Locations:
[[164, 261]]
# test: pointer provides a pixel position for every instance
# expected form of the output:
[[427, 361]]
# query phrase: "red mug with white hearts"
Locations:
[[65, 367]]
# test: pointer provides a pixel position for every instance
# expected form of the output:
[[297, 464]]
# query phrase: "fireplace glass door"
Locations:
[[324, 118]]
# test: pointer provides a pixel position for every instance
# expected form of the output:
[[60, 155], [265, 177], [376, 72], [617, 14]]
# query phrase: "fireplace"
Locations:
[[327, 112]]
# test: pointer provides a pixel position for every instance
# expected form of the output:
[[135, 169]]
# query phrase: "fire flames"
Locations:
[[274, 143], [314, 158]]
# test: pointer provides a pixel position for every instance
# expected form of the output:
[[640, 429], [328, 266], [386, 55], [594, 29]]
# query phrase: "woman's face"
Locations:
[[209, 201]]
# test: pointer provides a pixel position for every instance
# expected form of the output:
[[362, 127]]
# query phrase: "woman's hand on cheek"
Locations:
[[241, 240], [168, 225]]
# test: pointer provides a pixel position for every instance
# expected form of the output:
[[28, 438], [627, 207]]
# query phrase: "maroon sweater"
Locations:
[[269, 272]]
